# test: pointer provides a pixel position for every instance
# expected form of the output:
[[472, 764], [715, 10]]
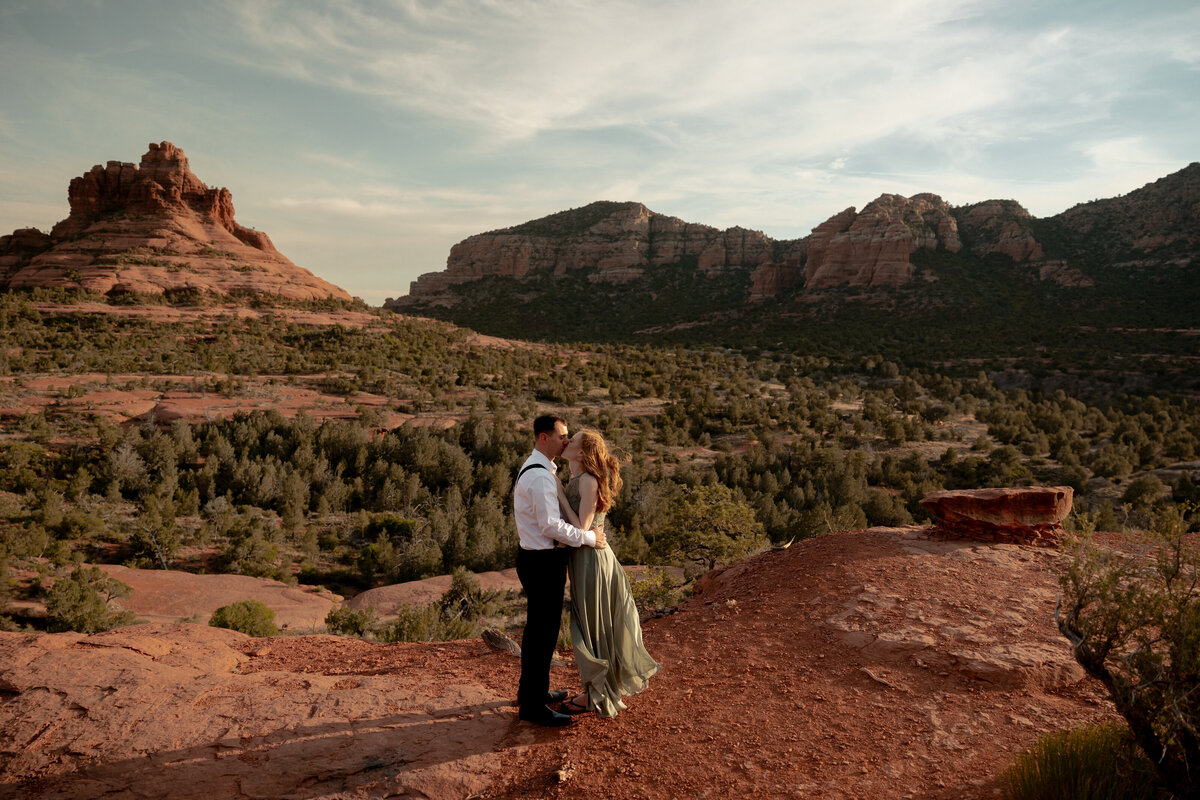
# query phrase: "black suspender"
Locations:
[[522, 472]]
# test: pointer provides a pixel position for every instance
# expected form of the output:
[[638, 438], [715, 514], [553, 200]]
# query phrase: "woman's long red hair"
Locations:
[[602, 465]]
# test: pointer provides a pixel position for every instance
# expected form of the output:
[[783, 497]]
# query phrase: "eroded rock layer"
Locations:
[[1024, 515], [153, 228], [874, 248]]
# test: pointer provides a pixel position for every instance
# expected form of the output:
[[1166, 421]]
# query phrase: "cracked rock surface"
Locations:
[[879, 663]]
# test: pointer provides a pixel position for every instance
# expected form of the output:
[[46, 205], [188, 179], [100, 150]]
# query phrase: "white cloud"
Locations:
[[520, 68], [391, 129]]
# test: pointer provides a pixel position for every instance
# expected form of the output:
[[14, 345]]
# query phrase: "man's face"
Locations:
[[558, 440]]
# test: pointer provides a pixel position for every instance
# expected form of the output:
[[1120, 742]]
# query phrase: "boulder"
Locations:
[[1025, 515]]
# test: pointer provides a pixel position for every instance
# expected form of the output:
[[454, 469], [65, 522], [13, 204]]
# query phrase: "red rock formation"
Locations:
[[772, 278], [21, 245], [612, 242], [615, 242], [1063, 275], [872, 248], [1030, 515], [153, 228], [1000, 226]]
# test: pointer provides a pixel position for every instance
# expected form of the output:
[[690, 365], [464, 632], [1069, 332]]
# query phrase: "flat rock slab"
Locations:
[[387, 600], [1024, 515], [187, 711], [167, 595], [881, 663]]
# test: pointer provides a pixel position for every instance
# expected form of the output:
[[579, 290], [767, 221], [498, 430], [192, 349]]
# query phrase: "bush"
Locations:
[[1134, 622], [425, 624], [80, 602], [465, 599], [1095, 762], [250, 617], [654, 590], [706, 527], [348, 622], [1144, 491]]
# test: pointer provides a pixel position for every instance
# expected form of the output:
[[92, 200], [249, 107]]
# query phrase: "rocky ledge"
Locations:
[[879, 663], [1027, 515]]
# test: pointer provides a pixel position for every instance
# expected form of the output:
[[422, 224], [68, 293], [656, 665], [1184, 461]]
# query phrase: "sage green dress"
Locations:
[[605, 630]]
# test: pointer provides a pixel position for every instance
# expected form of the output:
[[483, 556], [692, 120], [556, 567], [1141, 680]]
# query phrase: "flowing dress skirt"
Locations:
[[605, 631]]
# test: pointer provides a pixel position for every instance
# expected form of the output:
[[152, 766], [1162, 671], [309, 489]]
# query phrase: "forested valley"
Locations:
[[725, 451]]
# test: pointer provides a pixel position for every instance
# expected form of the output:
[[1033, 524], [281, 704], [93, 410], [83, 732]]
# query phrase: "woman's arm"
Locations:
[[587, 500], [568, 513]]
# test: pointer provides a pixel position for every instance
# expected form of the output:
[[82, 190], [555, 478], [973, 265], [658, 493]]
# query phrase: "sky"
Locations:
[[367, 137]]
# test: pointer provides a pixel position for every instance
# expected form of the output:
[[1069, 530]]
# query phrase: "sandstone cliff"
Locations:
[[619, 242], [612, 242], [871, 248], [153, 228], [1000, 226]]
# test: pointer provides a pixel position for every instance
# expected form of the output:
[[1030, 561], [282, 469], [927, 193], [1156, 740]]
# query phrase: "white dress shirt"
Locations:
[[535, 507]]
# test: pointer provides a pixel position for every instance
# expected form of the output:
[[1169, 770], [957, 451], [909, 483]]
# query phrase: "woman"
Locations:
[[605, 631]]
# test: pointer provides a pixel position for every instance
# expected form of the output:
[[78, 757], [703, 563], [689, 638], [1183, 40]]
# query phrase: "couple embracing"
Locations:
[[561, 531]]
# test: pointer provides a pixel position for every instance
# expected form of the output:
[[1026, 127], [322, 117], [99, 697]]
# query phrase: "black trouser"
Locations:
[[543, 576]]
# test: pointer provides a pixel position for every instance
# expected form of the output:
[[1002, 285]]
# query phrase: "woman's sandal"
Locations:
[[571, 707]]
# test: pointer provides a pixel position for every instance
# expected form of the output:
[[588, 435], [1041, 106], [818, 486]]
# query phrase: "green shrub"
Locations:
[[425, 624], [1144, 491], [465, 599], [80, 602], [250, 617], [1134, 622], [349, 622], [654, 590], [1095, 762]]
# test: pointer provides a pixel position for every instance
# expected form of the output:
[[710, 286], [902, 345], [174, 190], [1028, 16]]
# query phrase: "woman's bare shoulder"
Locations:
[[588, 479]]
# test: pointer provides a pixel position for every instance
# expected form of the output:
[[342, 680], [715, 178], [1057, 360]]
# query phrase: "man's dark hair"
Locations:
[[545, 424]]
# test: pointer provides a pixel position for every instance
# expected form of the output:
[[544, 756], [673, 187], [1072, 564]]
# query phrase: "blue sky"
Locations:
[[366, 137]]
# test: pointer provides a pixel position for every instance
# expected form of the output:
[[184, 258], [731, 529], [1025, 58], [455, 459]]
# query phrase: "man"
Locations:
[[542, 567]]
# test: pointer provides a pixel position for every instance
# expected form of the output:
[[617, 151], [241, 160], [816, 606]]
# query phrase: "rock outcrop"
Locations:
[[153, 228], [166, 595], [619, 242], [1029, 515], [893, 663], [611, 242], [773, 278], [1000, 226], [872, 247], [185, 711], [388, 600]]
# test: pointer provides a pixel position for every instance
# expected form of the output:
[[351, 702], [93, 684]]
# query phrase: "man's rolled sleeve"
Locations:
[[549, 516]]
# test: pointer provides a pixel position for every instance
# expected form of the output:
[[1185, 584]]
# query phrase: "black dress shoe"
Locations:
[[557, 696], [540, 715]]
